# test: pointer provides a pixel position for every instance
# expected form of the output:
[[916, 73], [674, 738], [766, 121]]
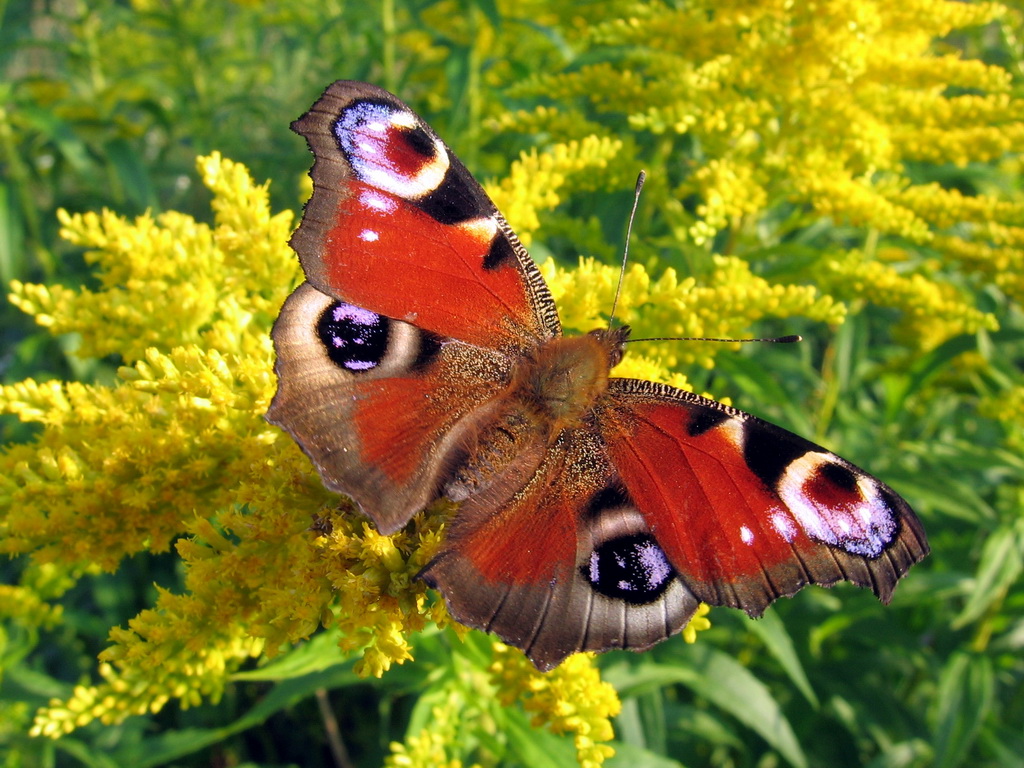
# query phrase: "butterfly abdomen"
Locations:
[[490, 449]]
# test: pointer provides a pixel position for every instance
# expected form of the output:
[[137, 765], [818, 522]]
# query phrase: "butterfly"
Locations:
[[423, 358]]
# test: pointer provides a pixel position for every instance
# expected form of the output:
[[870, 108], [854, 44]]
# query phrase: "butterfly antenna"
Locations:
[[771, 340], [640, 179], [625, 251]]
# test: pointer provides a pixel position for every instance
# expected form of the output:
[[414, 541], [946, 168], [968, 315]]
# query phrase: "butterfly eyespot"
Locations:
[[631, 568], [354, 338], [838, 506], [389, 149]]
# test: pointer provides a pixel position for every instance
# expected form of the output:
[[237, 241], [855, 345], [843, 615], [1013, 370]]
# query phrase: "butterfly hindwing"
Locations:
[[380, 406], [560, 561], [398, 226], [746, 511]]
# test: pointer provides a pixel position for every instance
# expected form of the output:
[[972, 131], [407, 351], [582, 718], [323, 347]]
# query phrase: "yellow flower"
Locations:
[[571, 698], [933, 311], [535, 179], [178, 446], [430, 747], [698, 623]]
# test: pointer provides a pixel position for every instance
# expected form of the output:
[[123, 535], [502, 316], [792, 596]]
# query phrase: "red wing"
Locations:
[[553, 559], [380, 406], [398, 225], [747, 512]]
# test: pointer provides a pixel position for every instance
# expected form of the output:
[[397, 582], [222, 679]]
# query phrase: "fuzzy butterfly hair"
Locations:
[[423, 358]]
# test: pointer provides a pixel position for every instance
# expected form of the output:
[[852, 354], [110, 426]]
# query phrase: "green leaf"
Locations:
[[772, 632], [726, 684], [132, 173], [1000, 566], [535, 747], [632, 756], [924, 369], [86, 754], [316, 655], [965, 695]]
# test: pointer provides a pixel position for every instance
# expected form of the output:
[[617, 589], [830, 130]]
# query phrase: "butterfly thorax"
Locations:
[[551, 390], [563, 379]]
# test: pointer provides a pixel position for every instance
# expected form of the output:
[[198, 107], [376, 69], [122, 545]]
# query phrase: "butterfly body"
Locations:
[[423, 358], [566, 376]]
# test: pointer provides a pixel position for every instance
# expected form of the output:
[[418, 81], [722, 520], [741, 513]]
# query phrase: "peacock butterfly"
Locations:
[[423, 358]]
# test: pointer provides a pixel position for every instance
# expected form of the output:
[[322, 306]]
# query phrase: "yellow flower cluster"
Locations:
[[378, 601], [115, 471], [27, 608], [180, 446], [858, 201], [140, 691], [945, 208], [733, 192], [572, 698], [933, 311], [723, 305], [560, 125], [430, 747], [174, 261], [817, 108], [535, 179], [1004, 266], [958, 130]]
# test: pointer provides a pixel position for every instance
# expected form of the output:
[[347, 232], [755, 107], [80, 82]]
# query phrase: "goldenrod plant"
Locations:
[[181, 589]]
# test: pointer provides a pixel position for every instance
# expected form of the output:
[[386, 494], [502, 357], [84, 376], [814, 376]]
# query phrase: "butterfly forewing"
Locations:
[[748, 512], [397, 225]]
